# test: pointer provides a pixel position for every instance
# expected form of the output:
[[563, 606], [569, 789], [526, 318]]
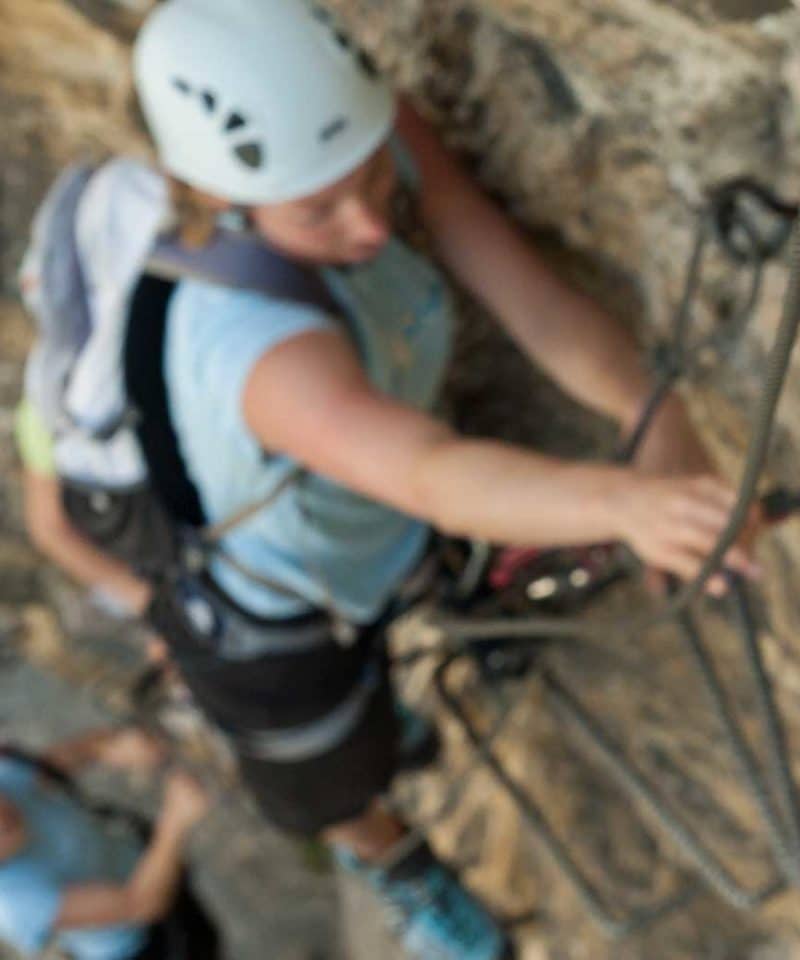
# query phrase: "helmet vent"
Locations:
[[251, 154], [321, 14], [235, 121], [367, 64], [332, 129], [181, 85], [344, 41]]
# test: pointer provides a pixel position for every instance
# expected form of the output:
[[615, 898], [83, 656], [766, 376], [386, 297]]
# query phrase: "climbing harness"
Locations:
[[486, 618]]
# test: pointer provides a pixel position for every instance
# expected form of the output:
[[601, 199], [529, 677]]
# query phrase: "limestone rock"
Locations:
[[599, 124]]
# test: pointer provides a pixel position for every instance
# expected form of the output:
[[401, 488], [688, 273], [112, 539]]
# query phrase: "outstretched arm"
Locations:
[[149, 892], [577, 343], [589, 354], [310, 399]]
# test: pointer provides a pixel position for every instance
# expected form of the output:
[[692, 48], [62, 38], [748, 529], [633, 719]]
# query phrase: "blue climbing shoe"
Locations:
[[430, 912]]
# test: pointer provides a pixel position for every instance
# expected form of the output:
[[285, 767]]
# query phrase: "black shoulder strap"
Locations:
[[143, 365], [244, 261], [234, 259]]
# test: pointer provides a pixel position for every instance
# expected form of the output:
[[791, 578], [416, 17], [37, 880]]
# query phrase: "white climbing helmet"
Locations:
[[257, 101]]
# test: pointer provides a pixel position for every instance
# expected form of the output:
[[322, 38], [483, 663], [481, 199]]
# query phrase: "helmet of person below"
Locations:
[[257, 101]]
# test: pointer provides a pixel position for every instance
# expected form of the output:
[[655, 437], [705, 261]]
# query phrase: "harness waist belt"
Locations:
[[308, 740], [218, 625]]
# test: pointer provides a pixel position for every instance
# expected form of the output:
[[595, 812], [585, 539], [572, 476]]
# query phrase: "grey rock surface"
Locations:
[[259, 887]]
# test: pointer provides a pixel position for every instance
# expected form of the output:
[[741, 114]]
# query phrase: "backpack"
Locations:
[[97, 232]]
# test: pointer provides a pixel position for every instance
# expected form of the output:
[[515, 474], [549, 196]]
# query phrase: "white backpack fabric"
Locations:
[[90, 243], [95, 234]]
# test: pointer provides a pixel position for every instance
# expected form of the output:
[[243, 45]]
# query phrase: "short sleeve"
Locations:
[[226, 332], [34, 440], [30, 899]]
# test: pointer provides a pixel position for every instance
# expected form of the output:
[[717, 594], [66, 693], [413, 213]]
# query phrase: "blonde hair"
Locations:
[[195, 217]]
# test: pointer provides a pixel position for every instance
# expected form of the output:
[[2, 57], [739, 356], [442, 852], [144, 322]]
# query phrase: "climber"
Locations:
[[114, 585], [271, 115], [273, 123], [67, 879]]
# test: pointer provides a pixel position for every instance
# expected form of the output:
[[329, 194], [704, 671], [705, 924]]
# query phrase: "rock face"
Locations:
[[599, 124]]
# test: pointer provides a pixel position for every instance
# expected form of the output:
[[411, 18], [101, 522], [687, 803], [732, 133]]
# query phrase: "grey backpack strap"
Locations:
[[214, 533], [243, 261], [208, 541]]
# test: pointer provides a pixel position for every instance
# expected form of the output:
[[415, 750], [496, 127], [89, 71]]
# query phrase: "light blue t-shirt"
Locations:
[[323, 542], [64, 846]]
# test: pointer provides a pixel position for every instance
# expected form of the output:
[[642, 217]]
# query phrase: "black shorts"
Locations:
[[282, 692], [307, 796]]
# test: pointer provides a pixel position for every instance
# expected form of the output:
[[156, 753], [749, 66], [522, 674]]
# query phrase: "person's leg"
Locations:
[[434, 916], [370, 837], [331, 794]]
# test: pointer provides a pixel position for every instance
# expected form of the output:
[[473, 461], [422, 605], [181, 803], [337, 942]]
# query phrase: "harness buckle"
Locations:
[[344, 632]]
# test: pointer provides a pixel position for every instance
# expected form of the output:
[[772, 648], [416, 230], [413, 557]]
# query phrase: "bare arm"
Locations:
[[51, 532], [590, 355], [127, 749], [583, 349], [143, 900], [147, 896], [73, 755], [309, 398]]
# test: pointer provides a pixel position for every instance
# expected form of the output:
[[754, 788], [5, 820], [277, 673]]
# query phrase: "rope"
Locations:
[[460, 631], [737, 231]]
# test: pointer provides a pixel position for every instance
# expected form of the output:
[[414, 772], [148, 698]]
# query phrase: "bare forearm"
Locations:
[[495, 492], [505, 495], [93, 568], [592, 357], [155, 880], [144, 899], [577, 343], [587, 353], [52, 532], [74, 754], [151, 888]]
